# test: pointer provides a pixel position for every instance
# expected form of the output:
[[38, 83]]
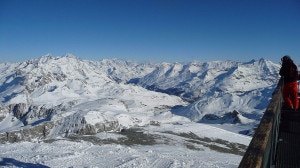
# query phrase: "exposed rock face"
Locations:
[[231, 117], [108, 126], [3, 112], [38, 125], [29, 114], [42, 130], [81, 127], [27, 134], [18, 110]]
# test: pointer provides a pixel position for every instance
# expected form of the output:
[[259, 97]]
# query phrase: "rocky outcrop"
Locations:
[[35, 133], [18, 110], [38, 123], [3, 112], [91, 129], [30, 113], [231, 117]]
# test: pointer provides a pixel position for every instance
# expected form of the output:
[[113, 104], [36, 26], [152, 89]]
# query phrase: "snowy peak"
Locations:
[[123, 71], [249, 76], [264, 66], [164, 73]]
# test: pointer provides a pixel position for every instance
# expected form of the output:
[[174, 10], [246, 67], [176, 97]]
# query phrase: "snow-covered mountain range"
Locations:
[[69, 112], [68, 95]]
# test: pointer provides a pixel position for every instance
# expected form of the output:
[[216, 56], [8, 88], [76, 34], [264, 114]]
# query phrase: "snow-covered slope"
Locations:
[[190, 145]]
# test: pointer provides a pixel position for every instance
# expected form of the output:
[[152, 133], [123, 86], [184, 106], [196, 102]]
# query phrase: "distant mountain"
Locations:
[[63, 96], [218, 88], [222, 87]]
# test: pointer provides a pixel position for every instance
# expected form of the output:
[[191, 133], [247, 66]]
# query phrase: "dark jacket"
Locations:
[[289, 72]]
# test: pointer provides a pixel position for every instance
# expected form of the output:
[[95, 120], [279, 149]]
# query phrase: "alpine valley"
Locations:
[[68, 112]]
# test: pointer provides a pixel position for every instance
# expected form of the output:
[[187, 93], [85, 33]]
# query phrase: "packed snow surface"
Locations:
[[171, 150]]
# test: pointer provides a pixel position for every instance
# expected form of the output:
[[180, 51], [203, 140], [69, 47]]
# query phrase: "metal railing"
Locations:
[[261, 151]]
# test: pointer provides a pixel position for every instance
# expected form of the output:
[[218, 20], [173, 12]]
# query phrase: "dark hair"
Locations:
[[286, 59]]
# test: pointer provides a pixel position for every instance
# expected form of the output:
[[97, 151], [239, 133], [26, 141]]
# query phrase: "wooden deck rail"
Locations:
[[262, 148]]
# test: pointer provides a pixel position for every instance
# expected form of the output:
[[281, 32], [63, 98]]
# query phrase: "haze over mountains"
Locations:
[[65, 97]]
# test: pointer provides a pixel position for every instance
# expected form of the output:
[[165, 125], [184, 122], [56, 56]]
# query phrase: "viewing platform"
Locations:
[[276, 142]]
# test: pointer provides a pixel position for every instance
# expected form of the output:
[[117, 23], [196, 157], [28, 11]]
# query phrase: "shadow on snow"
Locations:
[[12, 162]]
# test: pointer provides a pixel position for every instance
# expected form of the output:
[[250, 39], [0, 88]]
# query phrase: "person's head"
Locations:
[[286, 59]]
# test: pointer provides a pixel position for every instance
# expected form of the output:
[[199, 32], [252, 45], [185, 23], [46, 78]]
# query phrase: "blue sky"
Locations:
[[150, 30]]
